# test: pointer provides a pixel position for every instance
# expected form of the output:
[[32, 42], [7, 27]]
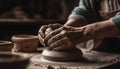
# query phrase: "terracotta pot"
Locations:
[[6, 45], [25, 43], [13, 61]]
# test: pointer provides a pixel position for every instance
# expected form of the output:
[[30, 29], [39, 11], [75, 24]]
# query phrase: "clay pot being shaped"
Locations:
[[6, 45], [25, 43], [13, 61], [74, 55]]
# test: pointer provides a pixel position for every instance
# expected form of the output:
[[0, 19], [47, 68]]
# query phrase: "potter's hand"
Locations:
[[45, 29], [64, 38]]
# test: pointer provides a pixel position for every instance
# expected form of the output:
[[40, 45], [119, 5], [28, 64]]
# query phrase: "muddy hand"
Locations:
[[63, 38], [45, 29]]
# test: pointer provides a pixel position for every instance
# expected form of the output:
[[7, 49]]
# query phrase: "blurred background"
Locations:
[[27, 16], [36, 9]]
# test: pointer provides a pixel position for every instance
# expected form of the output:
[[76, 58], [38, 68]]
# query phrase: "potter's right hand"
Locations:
[[45, 29]]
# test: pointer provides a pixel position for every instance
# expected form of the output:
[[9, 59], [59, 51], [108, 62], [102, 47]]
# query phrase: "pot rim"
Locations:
[[5, 42], [24, 37]]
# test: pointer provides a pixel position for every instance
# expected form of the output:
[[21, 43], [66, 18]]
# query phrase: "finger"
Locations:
[[52, 27], [57, 44], [55, 26], [53, 33], [62, 44], [59, 48], [48, 30], [56, 37], [69, 28], [42, 30], [41, 40]]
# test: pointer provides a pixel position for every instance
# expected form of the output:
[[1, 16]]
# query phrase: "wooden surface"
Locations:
[[94, 60]]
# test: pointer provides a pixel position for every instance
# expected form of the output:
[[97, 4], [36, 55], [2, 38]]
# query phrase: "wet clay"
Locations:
[[63, 56]]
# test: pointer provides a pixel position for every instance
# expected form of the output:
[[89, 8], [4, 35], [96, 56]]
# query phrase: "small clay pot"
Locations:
[[13, 61], [25, 43], [6, 45]]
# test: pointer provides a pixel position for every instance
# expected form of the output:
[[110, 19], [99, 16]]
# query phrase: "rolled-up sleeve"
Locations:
[[85, 11], [116, 20]]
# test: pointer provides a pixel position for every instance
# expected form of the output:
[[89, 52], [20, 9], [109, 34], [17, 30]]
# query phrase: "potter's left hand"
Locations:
[[64, 38], [45, 29]]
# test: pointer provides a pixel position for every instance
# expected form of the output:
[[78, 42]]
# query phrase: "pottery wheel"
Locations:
[[64, 56]]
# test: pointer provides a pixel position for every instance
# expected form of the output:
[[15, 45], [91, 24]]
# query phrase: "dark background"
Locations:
[[27, 16]]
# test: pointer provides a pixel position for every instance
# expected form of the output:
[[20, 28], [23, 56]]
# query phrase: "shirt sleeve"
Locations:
[[85, 11], [116, 20]]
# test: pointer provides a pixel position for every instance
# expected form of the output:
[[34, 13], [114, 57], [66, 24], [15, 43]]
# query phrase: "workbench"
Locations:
[[95, 60]]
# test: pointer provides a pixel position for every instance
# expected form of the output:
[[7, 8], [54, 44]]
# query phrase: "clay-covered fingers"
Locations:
[[42, 31], [43, 28], [41, 40], [62, 44], [41, 34], [56, 37], [55, 26], [48, 30], [51, 34]]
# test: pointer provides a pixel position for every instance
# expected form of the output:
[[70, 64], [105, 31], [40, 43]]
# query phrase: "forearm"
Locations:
[[100, 30], [74, 23]]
